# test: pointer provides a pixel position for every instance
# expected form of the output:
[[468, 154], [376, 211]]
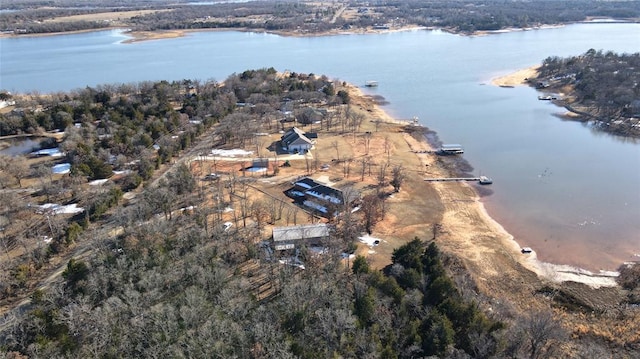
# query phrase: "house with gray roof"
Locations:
[[295, 140]]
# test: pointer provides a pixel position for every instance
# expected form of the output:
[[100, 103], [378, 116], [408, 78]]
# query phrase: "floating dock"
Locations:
[[452, 149]]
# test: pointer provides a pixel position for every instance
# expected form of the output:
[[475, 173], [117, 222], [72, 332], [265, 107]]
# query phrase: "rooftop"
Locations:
[[291, 233]]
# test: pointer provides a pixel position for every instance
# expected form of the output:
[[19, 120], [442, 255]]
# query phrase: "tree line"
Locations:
[[459, 16], [471, 16]]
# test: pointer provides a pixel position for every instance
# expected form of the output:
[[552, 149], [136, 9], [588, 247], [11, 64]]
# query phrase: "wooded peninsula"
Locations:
[[597, 87]]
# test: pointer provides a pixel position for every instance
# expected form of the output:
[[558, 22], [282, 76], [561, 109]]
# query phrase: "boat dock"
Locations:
[[481, 180], [453, 149]]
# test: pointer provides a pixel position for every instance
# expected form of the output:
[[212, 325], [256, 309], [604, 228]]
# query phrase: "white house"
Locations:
[[295, 140]]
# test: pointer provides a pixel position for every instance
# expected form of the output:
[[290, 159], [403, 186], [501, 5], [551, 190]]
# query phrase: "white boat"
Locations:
[[371, 83]]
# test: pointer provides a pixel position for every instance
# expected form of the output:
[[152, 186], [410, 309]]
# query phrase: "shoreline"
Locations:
[[139, 35], [471, 227], [553, 272]]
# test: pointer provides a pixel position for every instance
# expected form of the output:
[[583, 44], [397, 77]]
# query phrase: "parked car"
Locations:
[[211, 177]]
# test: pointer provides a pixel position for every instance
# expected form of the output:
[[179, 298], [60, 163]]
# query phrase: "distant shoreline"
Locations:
[[139, 36]]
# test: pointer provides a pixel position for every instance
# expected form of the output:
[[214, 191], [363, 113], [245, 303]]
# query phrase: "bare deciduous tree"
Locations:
[[387, 148], [364, 161], [535, 336], [19, 169], [335, 146], [346, 167], [372, 210], [382, 176], [397, 177]]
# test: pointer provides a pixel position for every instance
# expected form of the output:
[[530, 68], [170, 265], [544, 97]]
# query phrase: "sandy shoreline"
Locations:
[[516, 78], [139, 36], [556, 273], [471, 232]]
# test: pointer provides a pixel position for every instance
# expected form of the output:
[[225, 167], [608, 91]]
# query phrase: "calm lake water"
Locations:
[[571, 194]]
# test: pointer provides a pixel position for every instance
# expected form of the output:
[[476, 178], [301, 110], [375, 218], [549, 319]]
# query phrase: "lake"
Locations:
[[570, 193]]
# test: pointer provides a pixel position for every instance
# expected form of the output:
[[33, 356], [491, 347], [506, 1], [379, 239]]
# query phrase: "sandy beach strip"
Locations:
[[138, 36], [516, 78]]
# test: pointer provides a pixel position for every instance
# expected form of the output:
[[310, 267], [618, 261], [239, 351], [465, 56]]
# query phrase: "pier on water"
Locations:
[[481, 179], [452, 179]]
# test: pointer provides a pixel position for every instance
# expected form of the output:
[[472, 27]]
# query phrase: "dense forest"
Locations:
[[602, 87], [313, 17], [172, 291]]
